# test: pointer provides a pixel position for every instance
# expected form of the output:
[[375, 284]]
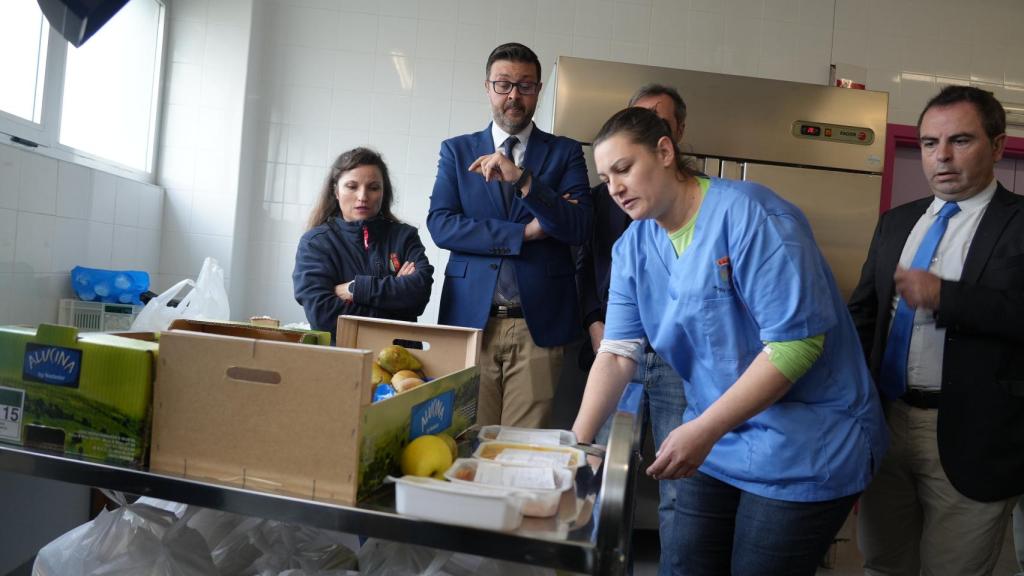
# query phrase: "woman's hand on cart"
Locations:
[[682, 452]]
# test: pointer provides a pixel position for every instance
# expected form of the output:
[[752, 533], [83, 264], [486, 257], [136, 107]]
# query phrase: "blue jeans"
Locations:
[[664, 401], [720, 529]]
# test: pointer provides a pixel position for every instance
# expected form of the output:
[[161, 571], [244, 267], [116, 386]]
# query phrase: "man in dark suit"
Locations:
[[508, 202], [940, 311]]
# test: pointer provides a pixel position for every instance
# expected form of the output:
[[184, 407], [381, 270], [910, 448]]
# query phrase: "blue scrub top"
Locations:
[[754, 274]]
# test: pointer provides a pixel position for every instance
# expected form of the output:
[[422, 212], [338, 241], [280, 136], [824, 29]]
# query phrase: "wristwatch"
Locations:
[[524, 177]]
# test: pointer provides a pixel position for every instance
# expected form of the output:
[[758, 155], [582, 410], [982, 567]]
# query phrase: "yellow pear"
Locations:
[[427, 455], [380, 375], [394, 358]]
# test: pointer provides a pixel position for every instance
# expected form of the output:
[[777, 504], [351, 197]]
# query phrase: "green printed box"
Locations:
[[87, 395], [447, 403]]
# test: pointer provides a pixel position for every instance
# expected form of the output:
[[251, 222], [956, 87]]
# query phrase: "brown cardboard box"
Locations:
[[297, 419], [247, 330], [446, 404], [450, 348]]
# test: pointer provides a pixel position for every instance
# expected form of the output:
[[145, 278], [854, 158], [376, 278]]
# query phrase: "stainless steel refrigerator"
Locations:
[[820, 147]]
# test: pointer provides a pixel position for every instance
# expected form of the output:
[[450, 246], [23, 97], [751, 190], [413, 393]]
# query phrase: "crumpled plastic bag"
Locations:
[[153, 537], [135, 539], [247, 546], [386, 558], [208, 300]]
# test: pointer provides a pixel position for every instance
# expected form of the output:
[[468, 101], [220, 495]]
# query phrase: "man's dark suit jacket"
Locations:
[[981, 409], [594, 264]]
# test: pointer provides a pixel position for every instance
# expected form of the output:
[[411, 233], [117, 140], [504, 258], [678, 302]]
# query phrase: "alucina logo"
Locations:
[[52, 365], [432, 416]]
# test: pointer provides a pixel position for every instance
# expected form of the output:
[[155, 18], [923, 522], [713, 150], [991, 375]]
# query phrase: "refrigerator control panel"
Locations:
[[834, 132]]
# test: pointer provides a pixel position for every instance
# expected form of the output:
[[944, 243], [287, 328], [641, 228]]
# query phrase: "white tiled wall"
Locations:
[[912, 47], [54, 216], [306, 79], [201, 136], [401, 75]]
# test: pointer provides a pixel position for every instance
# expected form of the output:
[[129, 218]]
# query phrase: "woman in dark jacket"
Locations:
[[356, 258]]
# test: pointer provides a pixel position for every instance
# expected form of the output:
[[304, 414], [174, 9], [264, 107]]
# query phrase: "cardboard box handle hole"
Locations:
[[412, 344], [254, 375]]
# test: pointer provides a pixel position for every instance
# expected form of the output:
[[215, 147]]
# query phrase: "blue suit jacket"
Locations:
[[468, 217]]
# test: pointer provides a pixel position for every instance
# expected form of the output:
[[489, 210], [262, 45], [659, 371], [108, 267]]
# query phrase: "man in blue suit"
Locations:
[[508, 202]]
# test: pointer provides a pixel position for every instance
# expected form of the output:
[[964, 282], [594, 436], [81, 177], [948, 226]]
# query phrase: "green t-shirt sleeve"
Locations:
[[795, 357]]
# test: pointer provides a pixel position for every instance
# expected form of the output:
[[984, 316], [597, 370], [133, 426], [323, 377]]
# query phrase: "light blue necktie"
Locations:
[[893, 379], [507, 289]]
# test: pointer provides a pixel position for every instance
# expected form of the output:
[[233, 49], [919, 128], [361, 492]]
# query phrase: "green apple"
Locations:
[[426, 456]]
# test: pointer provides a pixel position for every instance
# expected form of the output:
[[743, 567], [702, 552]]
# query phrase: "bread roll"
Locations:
[[407, 384], [403, 374]]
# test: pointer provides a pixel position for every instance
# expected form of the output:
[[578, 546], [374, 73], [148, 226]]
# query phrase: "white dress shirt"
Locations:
[[924, 363], [519, 151]]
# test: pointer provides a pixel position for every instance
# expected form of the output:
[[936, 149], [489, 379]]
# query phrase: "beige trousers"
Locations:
[[517, 377], [913, 521]]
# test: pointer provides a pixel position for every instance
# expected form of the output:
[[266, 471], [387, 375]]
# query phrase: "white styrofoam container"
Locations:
[[540, 503], [473, 506], [527, 435], [530, 455]]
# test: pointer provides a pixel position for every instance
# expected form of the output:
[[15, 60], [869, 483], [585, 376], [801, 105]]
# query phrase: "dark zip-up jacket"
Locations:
[[370, 252]]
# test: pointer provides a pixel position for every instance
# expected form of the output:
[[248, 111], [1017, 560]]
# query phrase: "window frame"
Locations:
[[44, 138]]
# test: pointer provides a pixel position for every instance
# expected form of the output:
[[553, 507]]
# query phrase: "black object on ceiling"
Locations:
[[78, 20]]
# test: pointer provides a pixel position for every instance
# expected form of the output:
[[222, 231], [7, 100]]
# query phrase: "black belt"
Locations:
[[499, 311], [922, 399]]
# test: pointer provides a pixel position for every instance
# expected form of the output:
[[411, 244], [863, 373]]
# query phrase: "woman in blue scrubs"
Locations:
[[784, 428]]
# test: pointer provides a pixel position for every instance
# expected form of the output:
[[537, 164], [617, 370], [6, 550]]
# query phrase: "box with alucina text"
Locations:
[[81, 394], [298, 419]]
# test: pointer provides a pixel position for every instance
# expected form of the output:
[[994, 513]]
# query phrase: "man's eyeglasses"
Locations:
[[505, 87]]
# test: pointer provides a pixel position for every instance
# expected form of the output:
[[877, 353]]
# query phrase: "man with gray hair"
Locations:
[[663, 388]]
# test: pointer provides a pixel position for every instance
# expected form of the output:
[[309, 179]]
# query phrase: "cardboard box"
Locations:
[[247, 330], [297, 419], [86, 395], [446, 404]]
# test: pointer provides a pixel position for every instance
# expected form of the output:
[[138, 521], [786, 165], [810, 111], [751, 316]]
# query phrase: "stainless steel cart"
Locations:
[[593, 540]]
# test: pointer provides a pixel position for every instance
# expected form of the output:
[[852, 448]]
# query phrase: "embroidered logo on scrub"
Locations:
[[723, 274]]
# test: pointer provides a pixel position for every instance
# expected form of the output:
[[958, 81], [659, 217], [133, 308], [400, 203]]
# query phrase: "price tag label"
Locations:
[[12, 409], [535, 458], [542, 437]]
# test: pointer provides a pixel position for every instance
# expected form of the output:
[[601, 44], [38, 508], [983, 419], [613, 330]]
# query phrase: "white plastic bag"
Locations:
[[136, 539], [244, 546], [208, 300], [155, 537]]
